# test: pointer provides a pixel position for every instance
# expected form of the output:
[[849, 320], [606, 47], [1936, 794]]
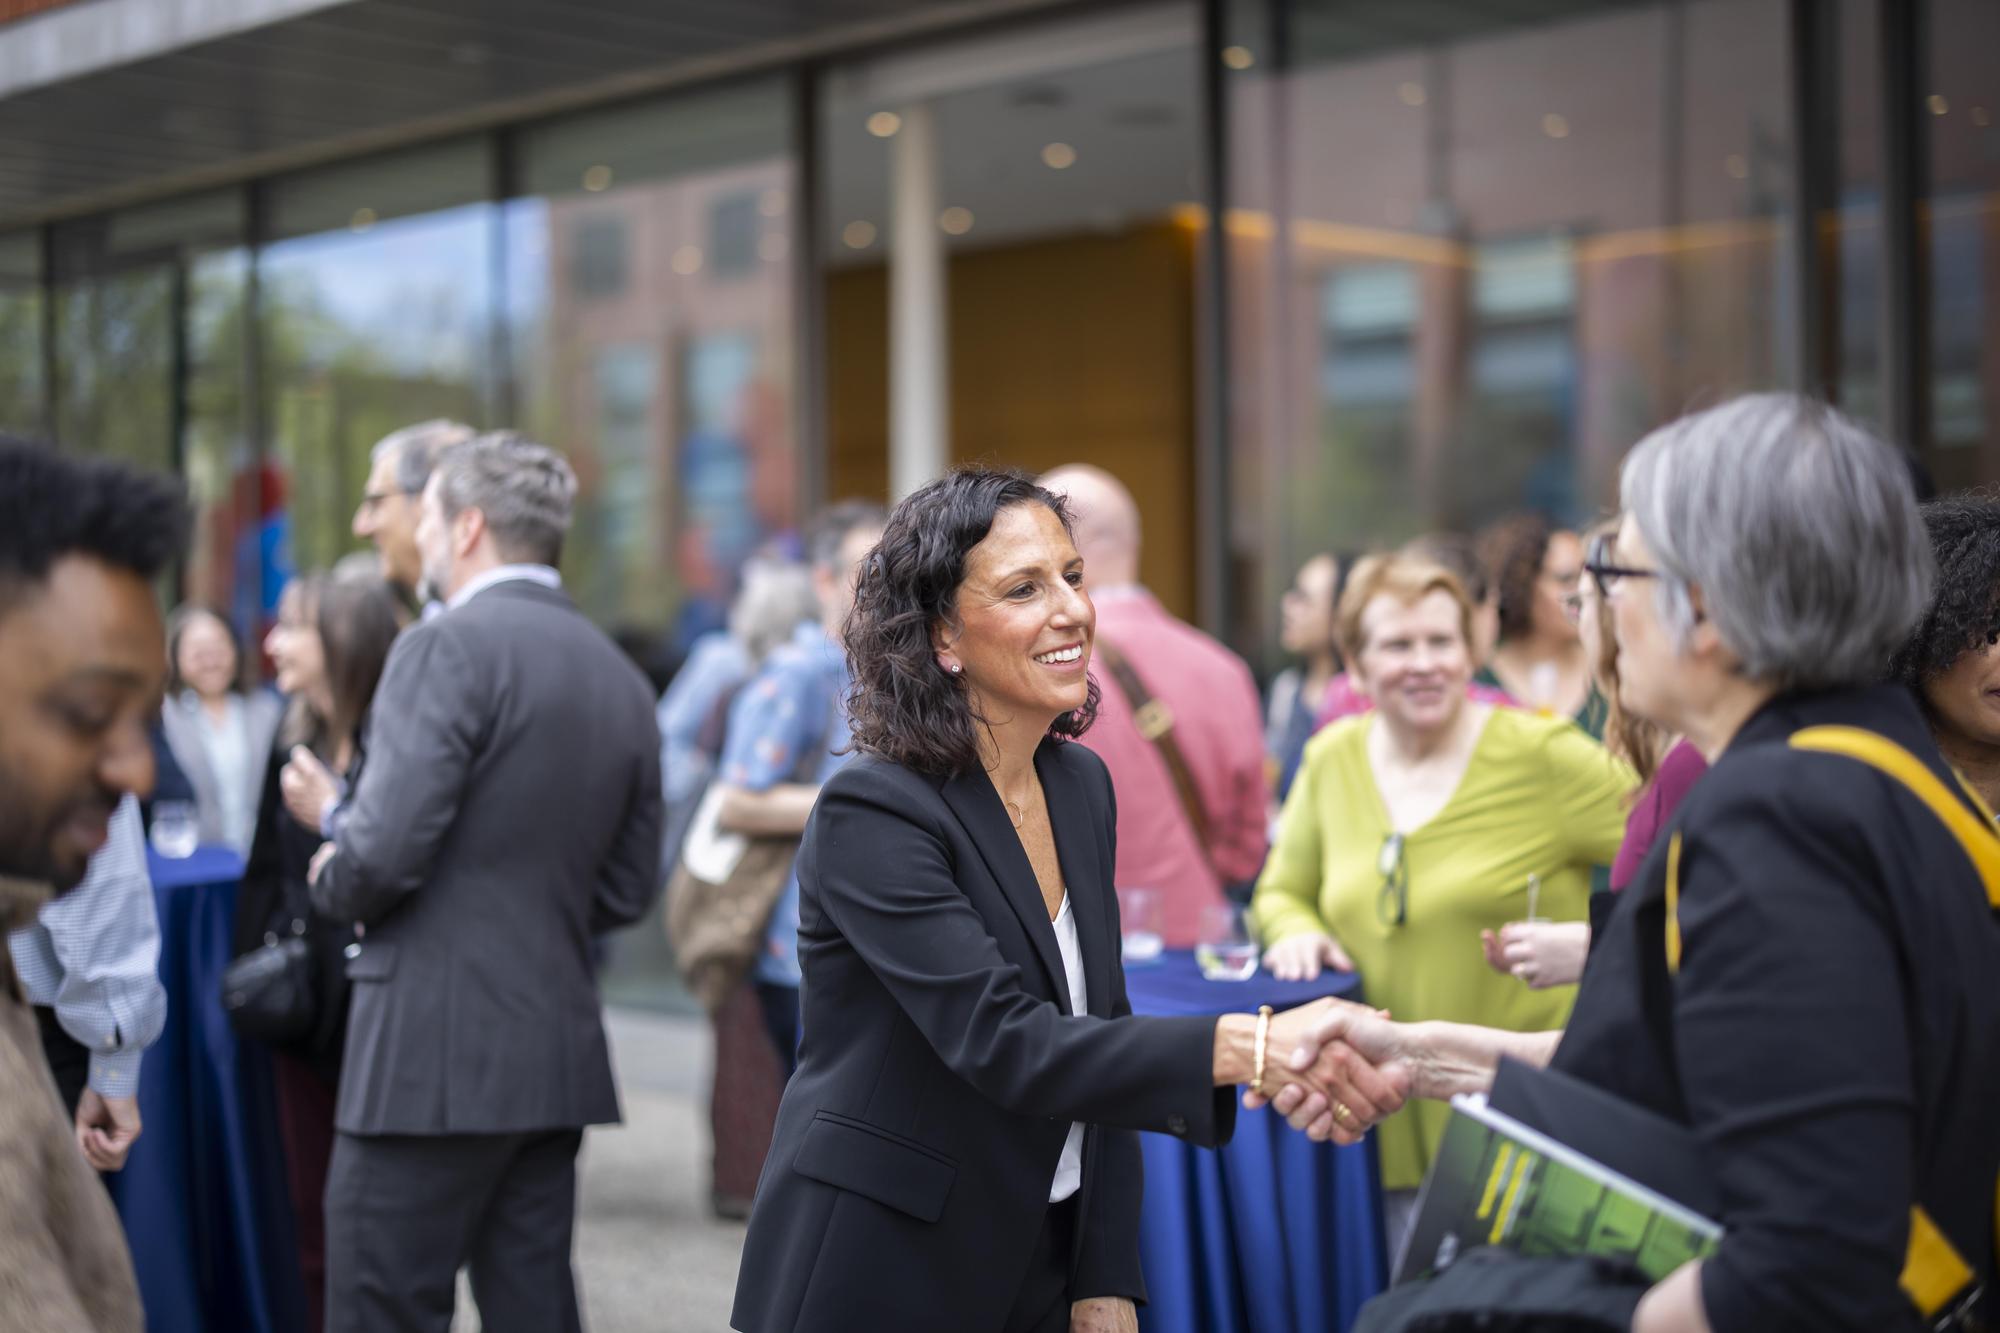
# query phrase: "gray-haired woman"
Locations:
[[1806, 969]]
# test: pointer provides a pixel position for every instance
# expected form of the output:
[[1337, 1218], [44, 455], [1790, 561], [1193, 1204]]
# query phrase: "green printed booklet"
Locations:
[[1496, 1181]]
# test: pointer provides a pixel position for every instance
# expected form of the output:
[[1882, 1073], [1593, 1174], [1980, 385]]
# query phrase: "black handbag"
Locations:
[[270, 993]]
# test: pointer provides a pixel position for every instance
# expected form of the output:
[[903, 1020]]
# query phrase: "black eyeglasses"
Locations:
[[1392, 904], [1606, 575]]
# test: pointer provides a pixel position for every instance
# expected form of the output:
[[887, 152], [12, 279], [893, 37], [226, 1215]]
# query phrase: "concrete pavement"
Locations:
[[649, 1257]]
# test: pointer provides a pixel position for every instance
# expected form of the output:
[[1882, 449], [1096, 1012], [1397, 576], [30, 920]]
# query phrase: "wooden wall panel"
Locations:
[[1072, 350]]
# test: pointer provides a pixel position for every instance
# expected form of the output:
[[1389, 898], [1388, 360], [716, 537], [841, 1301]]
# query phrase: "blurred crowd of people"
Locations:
[[1484, 777]]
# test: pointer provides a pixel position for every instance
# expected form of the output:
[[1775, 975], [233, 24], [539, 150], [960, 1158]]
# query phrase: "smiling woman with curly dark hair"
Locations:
[[956, 1150], [1952, 658], [902, 707]]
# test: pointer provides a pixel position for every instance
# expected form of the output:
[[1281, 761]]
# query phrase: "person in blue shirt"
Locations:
[[90, 965], [788, 735], [776, 596]]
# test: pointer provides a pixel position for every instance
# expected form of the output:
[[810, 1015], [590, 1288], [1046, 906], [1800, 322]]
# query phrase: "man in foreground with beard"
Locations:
[[82, 660]]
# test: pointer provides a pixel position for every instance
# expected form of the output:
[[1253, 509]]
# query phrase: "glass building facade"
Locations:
[[1306, 274]]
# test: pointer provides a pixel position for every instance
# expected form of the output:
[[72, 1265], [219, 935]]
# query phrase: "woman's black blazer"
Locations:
[[940, 1068], [273, 893]]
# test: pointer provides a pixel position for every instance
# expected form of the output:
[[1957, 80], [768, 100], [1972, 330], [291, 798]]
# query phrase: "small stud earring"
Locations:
[[954, 668]]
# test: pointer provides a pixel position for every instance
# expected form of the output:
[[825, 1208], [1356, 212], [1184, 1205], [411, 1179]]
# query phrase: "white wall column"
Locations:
[[919, 368]]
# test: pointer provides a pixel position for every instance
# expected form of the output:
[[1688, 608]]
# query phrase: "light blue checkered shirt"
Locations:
[[94, 956]]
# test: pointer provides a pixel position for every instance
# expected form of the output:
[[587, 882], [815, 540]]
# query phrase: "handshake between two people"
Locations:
[[1335, 1069]]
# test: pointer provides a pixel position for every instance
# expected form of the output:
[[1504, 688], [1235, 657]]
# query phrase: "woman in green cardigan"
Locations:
[[1412, 828]]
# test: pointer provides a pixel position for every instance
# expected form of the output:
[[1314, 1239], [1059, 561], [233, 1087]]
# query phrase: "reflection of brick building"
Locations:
[[1509, 256], [667, 343], [1473, 271]]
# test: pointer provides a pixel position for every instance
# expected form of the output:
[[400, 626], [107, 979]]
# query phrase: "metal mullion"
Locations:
[[811, 437], [1276, 383], [503, 185], [1673, 197], [1905, 240], [256, 401], [1211, 500], [1815, 132], [178, 368], [51, 363]]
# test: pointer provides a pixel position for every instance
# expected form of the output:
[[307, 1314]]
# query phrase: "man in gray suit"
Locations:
[[510, 810]]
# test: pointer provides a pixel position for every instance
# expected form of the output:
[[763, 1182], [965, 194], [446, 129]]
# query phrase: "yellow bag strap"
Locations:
[[1934, 1273], [1975, 832], [1674, 905]]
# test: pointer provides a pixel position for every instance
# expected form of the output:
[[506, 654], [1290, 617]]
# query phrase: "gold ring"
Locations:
[[1341, 1113]]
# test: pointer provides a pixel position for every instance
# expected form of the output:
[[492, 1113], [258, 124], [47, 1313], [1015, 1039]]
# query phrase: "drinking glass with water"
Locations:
[[1226, 952], [174, 834], [1139, 924]]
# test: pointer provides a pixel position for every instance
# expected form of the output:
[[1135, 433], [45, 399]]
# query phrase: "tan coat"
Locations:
[[64, 1267]]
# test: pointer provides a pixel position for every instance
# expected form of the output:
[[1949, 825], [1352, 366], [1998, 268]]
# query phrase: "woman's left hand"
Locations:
[[1104, 1314], [1540, 953], [1674, 1304], [307, 786]]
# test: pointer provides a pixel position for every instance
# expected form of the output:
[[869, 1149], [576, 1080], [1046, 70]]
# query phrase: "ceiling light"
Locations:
[[1938, 105], [884, 123], [956, 221], [363, 219], [1059, 156], [1411, 93], [1238, 57], [687, 260], [1038, 97], [1981, 116], [771, 203], [858, 235], [1555, 126], [597, 178]]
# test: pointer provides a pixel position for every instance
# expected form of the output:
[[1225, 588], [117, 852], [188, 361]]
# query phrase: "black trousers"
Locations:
[[1042, 1303], [781, 1020], [69, 1059], [405, 1212]]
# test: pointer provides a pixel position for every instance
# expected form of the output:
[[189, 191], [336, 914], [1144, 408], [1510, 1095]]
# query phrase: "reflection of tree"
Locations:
[[338, 387], [21, 361], [334, 388], [544, 367], [114, 358]]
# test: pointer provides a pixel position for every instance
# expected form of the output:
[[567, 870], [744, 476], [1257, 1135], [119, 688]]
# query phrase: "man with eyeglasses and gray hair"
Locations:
[[509, 812], [399, 465]]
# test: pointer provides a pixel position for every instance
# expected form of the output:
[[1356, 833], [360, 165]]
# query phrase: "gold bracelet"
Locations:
[[1263, 1039]]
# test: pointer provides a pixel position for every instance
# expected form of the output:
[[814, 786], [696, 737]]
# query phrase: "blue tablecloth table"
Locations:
[[1272, 1233], [203, 1194]]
